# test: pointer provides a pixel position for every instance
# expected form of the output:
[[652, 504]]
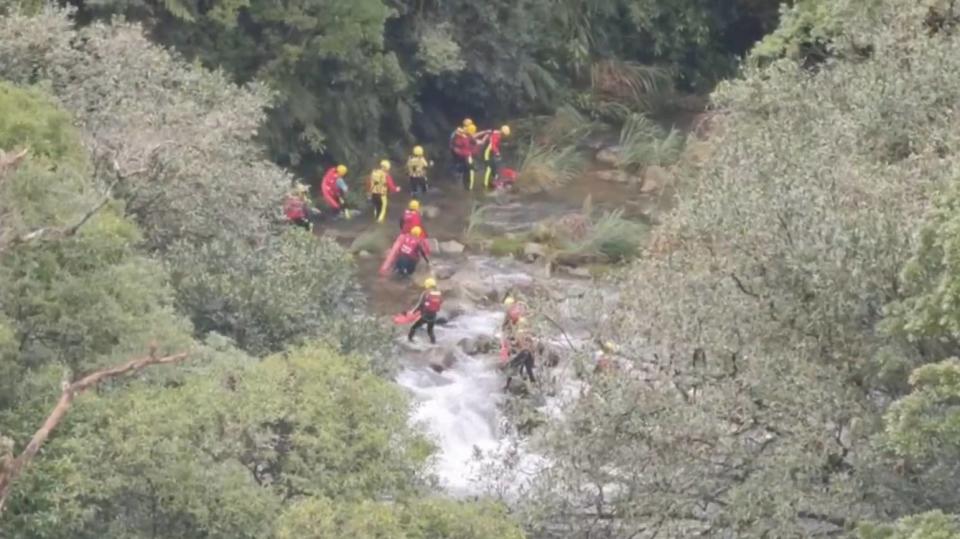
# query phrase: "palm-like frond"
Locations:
[[629, 83], [546, 167], [644, 143]]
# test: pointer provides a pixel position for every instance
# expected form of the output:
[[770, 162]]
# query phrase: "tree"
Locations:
[[12, 468], [290, 288], [182, 135], [220, 453], [429, 518], [755, 327]]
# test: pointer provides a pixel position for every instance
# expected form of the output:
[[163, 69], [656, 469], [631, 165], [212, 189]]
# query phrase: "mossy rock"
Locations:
[[507, 246]]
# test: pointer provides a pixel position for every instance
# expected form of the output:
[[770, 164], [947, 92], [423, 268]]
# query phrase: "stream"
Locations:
[[457, 388]]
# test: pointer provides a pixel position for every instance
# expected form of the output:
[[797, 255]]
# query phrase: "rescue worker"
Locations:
[[463, 150], [490, 140], [462, 128], [522, 347], [604, 358], [411, 217], [410, 251], [417, 171], [334, 188], [297, 209], [429, 305], [381, 182]]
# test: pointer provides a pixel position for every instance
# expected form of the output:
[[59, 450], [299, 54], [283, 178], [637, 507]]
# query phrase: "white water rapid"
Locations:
[[458, 408]]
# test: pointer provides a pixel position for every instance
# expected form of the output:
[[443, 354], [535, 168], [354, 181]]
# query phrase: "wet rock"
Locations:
[[364, 254], [469, 346], [485, 279], [616, 176], [451, 247], [430, 212], [609, 156], [578, 272], [455, 308], [552, 359], [654, 178], [441, 359], [533, 251], [442, 271], [578, 259]]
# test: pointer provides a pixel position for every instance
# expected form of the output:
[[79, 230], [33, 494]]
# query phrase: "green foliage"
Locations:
[[181, 136], [357, 78], [222, 453], [507, 246], [86, 299], [926, 423], [644, 143], [427, 518], [607, 236], [929, 310], [28, 118], [931, 525], [754, 330], [548, 167], [290, 288]]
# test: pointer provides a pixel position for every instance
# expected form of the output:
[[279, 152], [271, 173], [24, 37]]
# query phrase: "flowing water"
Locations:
[[459, 406]]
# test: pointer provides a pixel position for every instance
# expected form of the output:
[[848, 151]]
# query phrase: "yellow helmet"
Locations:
[[471, 130], [416, 231], [342, 170], [505, 130], [467, 122], [430, 282], [414, 205], [385, 165], [418, 151], [509, 301]]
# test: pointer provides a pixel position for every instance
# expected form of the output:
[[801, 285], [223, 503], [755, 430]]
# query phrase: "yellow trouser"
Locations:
[[491, 166]]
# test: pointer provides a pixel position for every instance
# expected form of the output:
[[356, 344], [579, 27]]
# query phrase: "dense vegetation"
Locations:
[[792, 331], [793, 327], [365, 76]]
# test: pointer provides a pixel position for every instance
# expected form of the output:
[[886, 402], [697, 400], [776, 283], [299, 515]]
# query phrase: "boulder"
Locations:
[[609, 156], [615, 176], [451, 247], [578, 271], [434, 245], [533, 251], [442, 271], [469, 346], [481, 279], [654, 178], [430, 212], [577, 259]]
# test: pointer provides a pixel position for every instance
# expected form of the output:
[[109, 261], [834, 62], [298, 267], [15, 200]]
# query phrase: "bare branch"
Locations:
[[52, 233], [9, 473]]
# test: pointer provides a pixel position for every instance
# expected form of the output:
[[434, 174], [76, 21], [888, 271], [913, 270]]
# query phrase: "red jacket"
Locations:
[[329, 184], [411, 218], [294, 208], [413, 247], [431, 302], [463, 145], [494, 143]]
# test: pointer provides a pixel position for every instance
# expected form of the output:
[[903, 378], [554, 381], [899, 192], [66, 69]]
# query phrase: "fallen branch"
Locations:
[[10, 471]]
